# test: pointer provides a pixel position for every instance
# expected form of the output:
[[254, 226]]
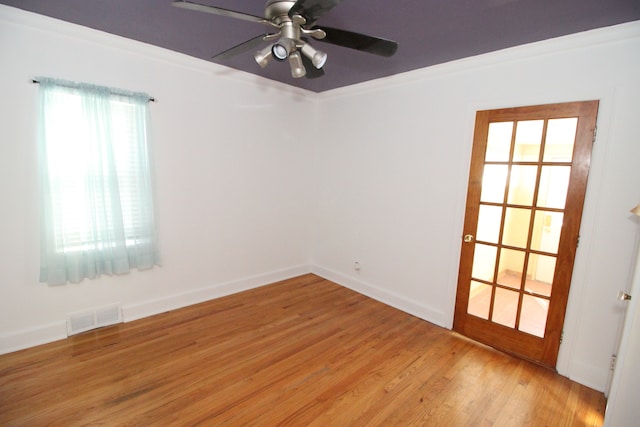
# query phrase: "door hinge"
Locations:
[[614, 358], [561, 336], [595, 132]]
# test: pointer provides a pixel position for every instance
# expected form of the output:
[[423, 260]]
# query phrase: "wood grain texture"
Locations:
[[304, 351], [488, 330]]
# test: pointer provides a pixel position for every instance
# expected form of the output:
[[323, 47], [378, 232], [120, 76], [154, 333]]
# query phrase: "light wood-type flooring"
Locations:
[[300, 352]]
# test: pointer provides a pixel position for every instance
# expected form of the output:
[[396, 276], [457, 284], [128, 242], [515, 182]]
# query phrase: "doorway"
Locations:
[[527, 183]]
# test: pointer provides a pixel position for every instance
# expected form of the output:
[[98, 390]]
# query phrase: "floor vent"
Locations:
[[92, 319]]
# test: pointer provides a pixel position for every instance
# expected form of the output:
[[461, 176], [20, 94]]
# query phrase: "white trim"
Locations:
[[594, 377], [14, 16], [423, 311], [582, 40], [527, 52], [32, 337], [173, 302], [44, 334]]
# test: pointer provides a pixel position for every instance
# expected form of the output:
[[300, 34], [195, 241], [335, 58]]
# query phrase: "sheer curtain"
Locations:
[[96, 191]]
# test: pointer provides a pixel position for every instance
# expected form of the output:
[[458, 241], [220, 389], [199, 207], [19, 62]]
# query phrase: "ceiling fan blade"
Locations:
[[312, 72], [312, 9], [240, 48], [363, 42], [185, 4]]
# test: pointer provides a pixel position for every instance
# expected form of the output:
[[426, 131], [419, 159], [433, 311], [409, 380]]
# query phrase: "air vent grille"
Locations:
[[94, 318]]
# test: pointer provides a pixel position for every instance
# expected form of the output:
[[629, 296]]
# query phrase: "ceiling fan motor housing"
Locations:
[[275, 10], [289, 18]]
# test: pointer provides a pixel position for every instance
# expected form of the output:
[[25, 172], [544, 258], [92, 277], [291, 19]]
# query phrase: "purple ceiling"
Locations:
[[428, 32]]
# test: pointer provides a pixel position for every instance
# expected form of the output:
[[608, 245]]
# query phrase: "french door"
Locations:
[[526, 191]]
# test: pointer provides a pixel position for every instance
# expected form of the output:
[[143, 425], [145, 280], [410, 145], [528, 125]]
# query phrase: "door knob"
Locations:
[[623, 296], [468, 238]]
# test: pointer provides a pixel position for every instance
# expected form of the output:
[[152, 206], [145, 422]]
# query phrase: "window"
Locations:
[[96, 193]]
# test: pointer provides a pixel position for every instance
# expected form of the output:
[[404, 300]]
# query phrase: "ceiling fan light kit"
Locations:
[[297, 68], [263, 56], [294, 20], [283, 48], [318, 58]]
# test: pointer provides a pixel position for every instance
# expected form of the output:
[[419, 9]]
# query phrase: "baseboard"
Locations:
[[588, 375], [32, 337], [173, 302], [394, 300], [44, 334]]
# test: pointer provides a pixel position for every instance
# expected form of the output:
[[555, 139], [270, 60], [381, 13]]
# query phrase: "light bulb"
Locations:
[[282, 48]]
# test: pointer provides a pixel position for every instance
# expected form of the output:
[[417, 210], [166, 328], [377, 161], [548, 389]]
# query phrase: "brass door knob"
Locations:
[[623, 296], [468, 238]]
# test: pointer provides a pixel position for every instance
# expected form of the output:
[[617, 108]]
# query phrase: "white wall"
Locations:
[[232, 197], [622, 405], [239, 207], [392, 172]]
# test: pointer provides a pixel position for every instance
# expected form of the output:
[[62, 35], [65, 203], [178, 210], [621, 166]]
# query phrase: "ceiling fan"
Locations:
[[293, 23]]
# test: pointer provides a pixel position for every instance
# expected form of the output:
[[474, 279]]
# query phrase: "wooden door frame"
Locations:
[[545, 349]]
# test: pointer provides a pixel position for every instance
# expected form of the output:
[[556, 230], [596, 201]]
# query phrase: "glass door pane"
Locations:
[[528, 141], [561, 136], [499, 141], [524, 188], [524, 205]]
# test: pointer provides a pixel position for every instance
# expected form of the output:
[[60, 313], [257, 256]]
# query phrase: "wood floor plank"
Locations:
[[303, 351]]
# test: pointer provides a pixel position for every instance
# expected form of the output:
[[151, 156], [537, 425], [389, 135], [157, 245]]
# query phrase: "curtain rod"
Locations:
[[34, 81]]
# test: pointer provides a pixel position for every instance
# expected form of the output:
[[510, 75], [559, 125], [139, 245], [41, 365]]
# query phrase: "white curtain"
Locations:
[[96, 191]]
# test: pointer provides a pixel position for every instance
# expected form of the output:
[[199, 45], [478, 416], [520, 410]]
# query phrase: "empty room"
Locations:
[[319, 212]]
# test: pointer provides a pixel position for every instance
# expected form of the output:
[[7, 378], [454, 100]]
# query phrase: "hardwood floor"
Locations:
[[299, 352]]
